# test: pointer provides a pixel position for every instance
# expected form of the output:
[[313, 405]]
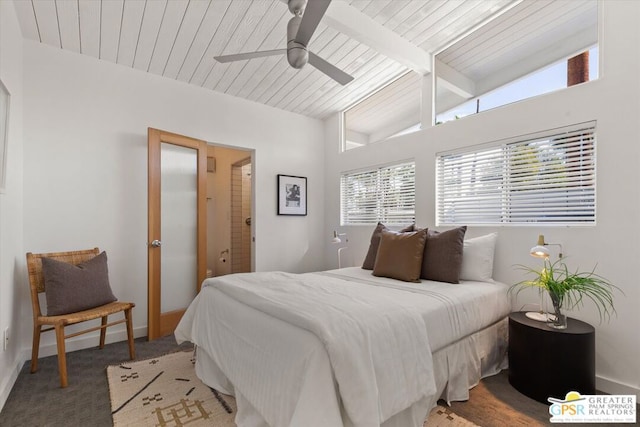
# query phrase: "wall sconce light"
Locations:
[[541, 250], [336, 239]]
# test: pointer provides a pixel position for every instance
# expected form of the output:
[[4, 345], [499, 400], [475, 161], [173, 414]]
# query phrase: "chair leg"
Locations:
[[132, 349], [62, 355], [103, 331], [35, 347]]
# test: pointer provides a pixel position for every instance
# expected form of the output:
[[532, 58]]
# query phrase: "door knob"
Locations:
[[156, 243]]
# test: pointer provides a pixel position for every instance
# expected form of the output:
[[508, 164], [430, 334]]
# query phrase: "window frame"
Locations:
[[381, 212], [507, 192]]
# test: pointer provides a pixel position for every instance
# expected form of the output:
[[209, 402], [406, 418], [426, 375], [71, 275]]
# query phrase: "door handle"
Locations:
[[155, 244]]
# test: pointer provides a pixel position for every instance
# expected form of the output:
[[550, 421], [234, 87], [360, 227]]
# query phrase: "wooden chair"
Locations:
[[58, 323]]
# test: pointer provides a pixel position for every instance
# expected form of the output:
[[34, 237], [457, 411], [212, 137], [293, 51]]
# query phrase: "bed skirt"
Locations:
[[458, 367]]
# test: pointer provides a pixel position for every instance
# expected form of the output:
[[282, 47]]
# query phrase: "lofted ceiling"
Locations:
[[524, 37], [373, 40]]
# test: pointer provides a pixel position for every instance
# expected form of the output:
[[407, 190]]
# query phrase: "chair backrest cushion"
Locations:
[[70, 288]]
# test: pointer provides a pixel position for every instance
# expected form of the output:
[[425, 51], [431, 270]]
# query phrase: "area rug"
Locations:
[[164, 391]]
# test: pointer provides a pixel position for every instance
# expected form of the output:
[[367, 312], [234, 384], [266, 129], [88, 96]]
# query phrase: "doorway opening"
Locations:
[[229, 211], [241, 216]]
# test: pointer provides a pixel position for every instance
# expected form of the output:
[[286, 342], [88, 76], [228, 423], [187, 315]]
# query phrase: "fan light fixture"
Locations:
[[305, 20]]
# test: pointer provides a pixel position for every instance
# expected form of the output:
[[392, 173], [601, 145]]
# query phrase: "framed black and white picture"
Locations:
[[292, 195], [4, 133]]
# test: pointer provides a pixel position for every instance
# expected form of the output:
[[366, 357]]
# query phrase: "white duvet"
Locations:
[[280, 339]]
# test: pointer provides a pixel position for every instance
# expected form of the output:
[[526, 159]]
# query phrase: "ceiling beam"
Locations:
[[360, 27], [454, 80]]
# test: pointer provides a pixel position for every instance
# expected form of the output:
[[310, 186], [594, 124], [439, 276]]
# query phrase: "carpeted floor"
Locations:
[[37, 400]]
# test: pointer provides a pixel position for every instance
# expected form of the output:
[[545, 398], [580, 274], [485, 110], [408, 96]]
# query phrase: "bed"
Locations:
[[344, 347]]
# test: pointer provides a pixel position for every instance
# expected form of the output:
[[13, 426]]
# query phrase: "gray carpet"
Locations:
[[37, 400]]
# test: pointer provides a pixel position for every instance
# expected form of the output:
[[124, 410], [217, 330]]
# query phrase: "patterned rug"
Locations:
[[165, 391]]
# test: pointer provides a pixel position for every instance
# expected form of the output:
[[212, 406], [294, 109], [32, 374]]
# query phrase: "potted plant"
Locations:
[[567, 290]]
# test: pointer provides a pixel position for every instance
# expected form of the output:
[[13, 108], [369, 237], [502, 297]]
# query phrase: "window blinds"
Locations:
[[385, 194], [546, 179]]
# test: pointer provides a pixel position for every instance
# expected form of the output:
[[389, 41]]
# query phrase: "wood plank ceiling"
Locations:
[[178, 39]]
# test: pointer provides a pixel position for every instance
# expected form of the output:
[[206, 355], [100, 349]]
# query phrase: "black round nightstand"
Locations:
[[546, 362]]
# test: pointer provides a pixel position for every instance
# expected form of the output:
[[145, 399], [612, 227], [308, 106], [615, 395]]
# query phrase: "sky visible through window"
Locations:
[[545, 80]]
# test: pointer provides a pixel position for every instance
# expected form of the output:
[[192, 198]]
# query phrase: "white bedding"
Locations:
[[277, 362]]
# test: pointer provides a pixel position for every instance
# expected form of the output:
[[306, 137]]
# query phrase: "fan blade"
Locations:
[[311, 17], [249, 55], [330, 70]]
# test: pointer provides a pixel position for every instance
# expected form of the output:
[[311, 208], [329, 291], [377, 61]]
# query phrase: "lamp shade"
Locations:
[[540, 250]]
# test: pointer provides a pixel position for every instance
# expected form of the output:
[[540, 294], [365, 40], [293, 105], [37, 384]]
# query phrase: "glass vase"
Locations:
[[559, 319]]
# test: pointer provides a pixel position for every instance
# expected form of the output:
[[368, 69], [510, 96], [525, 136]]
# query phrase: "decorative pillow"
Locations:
[[400, 255], [442, 259], [370, 259], [70, 288], [477, 260]]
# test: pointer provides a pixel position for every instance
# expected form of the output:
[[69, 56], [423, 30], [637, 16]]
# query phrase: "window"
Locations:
[[545, 80], [528, 49], [542, 179], [385, 194]]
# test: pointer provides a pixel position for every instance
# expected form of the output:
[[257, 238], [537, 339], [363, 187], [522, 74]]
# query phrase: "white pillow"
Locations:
[[477, 258]]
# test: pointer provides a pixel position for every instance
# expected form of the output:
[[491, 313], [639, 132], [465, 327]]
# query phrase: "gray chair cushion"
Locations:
[[70, 288]]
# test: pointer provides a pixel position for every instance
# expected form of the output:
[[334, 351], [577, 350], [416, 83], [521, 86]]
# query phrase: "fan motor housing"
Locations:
[[297, 54]]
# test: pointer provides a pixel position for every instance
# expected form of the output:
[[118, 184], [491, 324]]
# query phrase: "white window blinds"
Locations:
[[548, 179], [385, 194]]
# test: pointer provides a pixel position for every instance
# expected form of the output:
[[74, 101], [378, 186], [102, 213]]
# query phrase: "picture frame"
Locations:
[[292, 195], [5, 98]]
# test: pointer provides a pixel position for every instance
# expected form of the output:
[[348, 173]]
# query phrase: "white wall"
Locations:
[[13, 288], [85, 168], [614, 101]]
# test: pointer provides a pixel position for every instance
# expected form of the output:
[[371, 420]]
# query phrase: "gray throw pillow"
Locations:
[[400, 255], [442, 259], [70, 288], [370, 260]]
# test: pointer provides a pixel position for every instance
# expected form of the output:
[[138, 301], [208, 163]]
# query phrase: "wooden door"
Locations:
[[177, 168]]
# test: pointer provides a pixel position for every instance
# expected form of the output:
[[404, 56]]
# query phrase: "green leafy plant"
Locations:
[[569, 289]]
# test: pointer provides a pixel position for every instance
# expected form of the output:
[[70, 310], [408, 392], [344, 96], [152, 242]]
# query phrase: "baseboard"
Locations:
[[615, 387], [9, 381]]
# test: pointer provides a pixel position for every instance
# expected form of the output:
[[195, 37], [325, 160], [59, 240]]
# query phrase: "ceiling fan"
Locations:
[[307, 16]]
